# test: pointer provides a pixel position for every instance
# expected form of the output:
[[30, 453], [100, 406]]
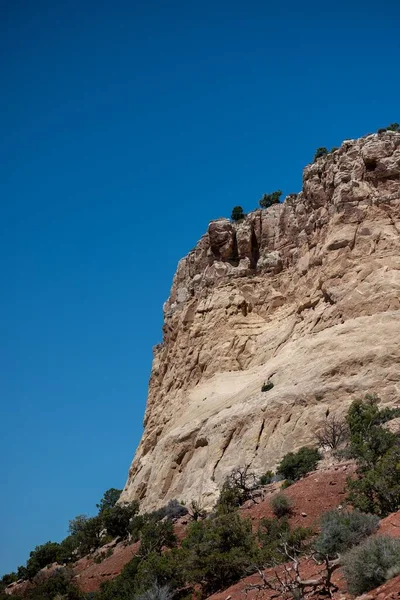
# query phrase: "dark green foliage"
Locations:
[[268, 200], [297, 464], [267, 386], [68, 549], [238, 487], [341, 530], [165, 569], [320, 152], [391, 127], [237, 213], [230, 499], [368, 565], [109, 499], [281, 505], [42, 556], [275, 534], [377, 452], [377, 489], [135, 527], [196, 511], [368, 440], [87, 531], [156, 535], [58, 583], [21, 572], [6, 580], [219, 551], [116, 520], [287, 483], [266, 478]]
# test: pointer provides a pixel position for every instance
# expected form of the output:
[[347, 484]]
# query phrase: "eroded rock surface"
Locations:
[[306, 294]]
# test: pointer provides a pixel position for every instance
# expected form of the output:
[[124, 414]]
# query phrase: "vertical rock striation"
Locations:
[[306, 294]]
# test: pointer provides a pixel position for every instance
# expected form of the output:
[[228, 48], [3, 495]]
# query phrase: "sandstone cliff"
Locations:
[[305, 294]]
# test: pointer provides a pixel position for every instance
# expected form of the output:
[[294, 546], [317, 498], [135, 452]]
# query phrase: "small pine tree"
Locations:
[[268, 200], [237, 213], [320, 152]]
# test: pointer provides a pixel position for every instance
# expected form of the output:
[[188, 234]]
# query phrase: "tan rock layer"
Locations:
[[306, 294]]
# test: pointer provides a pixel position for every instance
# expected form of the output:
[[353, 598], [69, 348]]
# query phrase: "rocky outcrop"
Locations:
[[305, 294]]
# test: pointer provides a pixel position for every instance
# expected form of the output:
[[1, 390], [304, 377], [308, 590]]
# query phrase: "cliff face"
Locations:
[[305, 294]]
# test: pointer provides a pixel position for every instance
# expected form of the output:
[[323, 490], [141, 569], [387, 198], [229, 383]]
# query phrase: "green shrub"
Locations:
[[117, 519], [219, 551], [320, 152], [238, 487], [377, 489], [166, 569], [368, 440], [7, 579], [196, 511], [281, 505], [268, 200], [341, 530], [42, 556], [156, 535], [59, 583], [391, 127], [109, 499], [377, 452], [230, 498], [136, 525], [367, 566], [267, 386], [87, 531], [275, 535], [237, 213], [266, 478], [297, 464], [287, 483]]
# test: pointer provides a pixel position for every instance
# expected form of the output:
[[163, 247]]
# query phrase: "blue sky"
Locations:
[[126, 127]]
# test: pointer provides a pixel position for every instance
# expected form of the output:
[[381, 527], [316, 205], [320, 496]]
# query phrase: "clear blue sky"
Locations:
[[125, 128]]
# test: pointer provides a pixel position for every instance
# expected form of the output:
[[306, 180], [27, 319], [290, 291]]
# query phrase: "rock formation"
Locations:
[[305, 294]]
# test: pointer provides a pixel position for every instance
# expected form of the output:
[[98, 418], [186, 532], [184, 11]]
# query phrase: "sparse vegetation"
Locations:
[[266, 478], [237, 213], [281, 505], [368, 565], [238, 488], [266, 386], [156, 535], [391, 127], [297, 464], [322, 151], [377, 452], [333, 433], [269, 200], [341, 530], [196, 511]]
